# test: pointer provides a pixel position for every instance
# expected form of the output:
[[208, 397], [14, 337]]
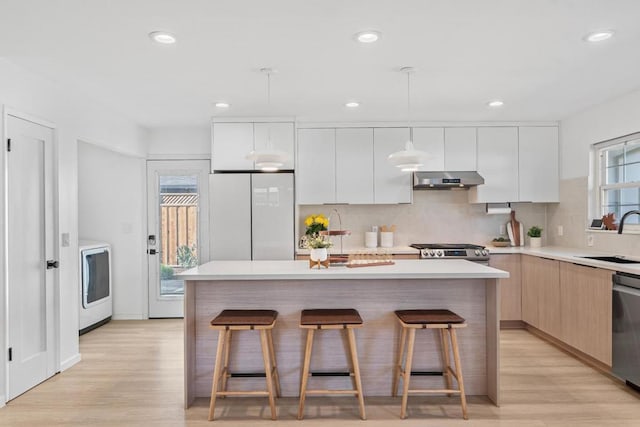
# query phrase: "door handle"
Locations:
[[151, 251], [51, 264]]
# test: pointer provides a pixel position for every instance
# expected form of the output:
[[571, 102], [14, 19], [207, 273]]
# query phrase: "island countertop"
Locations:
[[299, 270]]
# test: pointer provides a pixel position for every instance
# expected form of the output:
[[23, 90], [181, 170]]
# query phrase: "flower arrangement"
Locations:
[[317, 241], [316, 224]]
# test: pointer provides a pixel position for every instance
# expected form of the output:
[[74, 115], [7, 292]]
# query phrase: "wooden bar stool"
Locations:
[[341, 319], [446, 322], [243, 320]]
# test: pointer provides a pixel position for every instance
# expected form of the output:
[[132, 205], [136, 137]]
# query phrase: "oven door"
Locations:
[[96, 276]]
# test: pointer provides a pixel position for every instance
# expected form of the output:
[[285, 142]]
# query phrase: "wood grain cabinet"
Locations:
[[541, 294], [585, 301], [511, 288]]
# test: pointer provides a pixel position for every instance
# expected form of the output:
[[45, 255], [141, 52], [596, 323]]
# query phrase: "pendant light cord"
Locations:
[[269, 145], [409, 107]]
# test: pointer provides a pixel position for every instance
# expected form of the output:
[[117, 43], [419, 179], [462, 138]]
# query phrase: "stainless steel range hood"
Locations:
[[449, 180]]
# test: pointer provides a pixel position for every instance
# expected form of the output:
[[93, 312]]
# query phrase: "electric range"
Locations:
[[466, 251]]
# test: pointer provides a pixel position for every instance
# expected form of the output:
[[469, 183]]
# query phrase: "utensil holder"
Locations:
[[370, 239], [386, 239]]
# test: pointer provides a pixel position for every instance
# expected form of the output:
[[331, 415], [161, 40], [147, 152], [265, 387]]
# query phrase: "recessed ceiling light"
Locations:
[[599, 36], [162, 37], [222, 105], [495, 103], [352, 104], [369, 36]]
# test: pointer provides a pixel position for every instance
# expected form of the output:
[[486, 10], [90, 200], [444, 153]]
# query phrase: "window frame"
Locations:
[[600, 166]]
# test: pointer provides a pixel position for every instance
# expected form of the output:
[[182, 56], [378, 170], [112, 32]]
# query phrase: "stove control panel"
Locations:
[[468, 254]]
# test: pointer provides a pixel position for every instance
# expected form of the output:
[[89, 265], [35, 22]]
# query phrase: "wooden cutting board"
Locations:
[[515, 230]]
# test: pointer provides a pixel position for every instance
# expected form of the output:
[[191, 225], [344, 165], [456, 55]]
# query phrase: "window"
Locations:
[[619, 176]]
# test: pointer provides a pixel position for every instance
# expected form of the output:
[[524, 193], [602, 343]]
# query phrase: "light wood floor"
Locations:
[[131, 375]]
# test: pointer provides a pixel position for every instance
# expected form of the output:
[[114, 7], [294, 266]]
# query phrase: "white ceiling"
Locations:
[[529, 53]]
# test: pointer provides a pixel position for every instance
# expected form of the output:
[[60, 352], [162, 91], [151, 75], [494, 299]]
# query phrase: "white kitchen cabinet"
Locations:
[[316, 171], [354, 166], [230, 219], [391, 185], [498, 165], [460, 151], [231, 142], [538, 164], [430, 140], [282, 139]]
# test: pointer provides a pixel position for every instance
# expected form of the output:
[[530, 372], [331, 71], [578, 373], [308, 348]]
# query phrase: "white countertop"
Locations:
[[299, 270], [570, 255], [398, 250]]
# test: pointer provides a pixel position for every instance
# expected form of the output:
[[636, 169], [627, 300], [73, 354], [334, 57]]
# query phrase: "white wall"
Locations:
[[76, 117], [615, 118], [618, 117], [112, 208], [180, 143]]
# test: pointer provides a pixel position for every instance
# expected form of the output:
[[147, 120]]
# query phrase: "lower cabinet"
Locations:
[[585, 300], [569, 302], [541, 294], [511, 288]]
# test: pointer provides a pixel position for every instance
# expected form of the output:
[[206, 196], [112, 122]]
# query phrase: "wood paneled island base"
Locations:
[[468, 289]]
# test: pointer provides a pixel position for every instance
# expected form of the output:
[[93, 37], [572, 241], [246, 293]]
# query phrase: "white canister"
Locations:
[[386, 239], [370, 239]]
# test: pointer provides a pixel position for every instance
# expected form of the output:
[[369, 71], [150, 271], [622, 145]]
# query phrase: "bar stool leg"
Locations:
[[267, 370], [400, 355], [305, 373], [272, 352], [225, 369], [456, 358], [356, 371], [445, 359], [406, 376], [216, 373]]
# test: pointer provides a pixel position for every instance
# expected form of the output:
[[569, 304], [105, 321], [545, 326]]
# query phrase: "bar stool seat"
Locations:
[[446, 322], [340, 319], [244, 320]]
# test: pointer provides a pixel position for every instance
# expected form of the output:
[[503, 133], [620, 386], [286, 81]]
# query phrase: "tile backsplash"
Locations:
[[434, 217]]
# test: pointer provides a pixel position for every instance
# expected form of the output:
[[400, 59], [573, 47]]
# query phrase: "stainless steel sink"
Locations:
[[616, 259]]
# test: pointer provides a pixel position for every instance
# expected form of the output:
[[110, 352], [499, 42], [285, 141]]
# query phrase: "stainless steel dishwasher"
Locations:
[[626, 328]]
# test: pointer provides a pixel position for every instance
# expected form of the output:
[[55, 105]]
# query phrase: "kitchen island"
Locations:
[[467, 288]]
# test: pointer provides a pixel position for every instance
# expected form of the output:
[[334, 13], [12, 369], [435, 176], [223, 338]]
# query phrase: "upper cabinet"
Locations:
[[390, 183], [460, 149], [354, 166], [316, 172], [498, 165], [231, 142], [337, 166], [432, 141], [538, 164]]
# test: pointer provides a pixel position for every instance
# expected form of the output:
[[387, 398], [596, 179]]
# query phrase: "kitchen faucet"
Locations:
[[637, 212]]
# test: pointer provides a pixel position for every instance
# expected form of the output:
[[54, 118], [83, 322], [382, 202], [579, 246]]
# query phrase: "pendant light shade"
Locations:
[[409, 159], [268, 159]]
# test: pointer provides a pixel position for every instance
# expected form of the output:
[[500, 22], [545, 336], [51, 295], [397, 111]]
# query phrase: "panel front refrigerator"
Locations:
[[252, 216]]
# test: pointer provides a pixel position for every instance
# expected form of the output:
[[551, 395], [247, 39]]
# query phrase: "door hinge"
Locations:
[[8, 144], [10, 354]]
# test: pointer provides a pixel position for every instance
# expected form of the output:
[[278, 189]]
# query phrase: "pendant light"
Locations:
[[409, 159], [268, 159]]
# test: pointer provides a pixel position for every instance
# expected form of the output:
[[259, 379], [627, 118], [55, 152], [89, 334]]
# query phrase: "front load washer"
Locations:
[[96, 306]]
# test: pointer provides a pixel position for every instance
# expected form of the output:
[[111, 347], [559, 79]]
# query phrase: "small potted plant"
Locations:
[[315, 224], [318, 245], [535, 238]]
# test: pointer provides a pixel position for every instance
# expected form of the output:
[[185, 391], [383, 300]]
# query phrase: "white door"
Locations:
[[178, 235], [30, 248]]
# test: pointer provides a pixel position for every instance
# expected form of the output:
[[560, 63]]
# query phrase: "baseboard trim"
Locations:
[[583, 357], [70, 362], [128, 317], [512, 324]]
